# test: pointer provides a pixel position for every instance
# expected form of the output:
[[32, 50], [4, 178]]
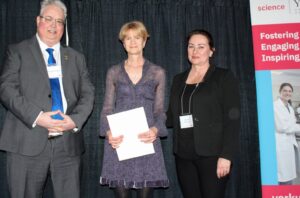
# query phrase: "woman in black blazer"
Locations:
[[204, 111]]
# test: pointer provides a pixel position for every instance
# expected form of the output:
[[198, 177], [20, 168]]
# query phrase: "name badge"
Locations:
[[54, 72], [186, 121]]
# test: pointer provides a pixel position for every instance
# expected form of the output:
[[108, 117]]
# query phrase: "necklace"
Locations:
[[134, 72]]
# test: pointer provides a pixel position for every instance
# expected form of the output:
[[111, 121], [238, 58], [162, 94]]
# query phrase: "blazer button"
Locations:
[[196, 119], [49, 96]]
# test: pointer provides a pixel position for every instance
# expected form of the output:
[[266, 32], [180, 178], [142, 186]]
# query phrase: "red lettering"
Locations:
[[271, 7]]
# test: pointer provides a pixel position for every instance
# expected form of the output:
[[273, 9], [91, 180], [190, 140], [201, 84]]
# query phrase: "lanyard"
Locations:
[[190, 98]]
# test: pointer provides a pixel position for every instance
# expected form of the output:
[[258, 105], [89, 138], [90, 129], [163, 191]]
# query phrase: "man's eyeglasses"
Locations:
[[50, 19]]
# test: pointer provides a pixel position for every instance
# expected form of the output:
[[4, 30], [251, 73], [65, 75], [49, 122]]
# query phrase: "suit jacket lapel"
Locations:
[[65, 67], [64, 61], [183, 79], [179, 88], [38, 57]]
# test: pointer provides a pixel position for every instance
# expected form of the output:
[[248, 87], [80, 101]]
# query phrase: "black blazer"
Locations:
[[215, 109]]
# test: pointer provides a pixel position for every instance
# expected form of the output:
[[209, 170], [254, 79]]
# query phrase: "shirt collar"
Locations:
[[43, 45]]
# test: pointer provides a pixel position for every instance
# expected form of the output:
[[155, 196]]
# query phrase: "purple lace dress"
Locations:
[[121, 94]]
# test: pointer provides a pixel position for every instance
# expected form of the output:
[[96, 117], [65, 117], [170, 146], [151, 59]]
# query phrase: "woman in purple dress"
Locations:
[[133, 83]]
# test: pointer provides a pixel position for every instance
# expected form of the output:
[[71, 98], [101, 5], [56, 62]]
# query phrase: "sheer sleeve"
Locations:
[[159, 113], [109, 100], [169, 114]]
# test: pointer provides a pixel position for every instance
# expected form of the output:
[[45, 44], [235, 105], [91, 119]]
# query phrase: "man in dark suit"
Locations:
[[47, 92]]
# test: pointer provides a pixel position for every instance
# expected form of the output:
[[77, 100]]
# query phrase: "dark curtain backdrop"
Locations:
[[93, 27]]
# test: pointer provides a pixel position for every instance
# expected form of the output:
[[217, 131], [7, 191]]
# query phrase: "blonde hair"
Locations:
[[137, 26]]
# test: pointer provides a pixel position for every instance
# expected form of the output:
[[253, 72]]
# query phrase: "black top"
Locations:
[[216, 113], [186, 147]]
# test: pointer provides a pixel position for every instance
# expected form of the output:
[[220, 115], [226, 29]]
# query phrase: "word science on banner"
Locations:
[[276, 38]]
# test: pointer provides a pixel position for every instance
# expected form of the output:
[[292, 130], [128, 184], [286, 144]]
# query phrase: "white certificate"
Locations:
[[129, 124]]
